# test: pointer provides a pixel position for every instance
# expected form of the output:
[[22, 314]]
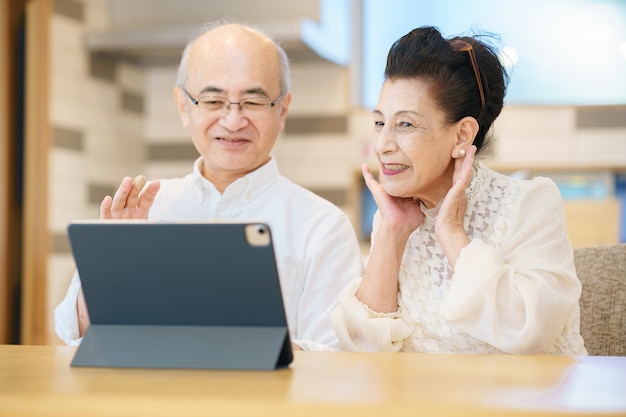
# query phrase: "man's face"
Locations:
[[232, 63]]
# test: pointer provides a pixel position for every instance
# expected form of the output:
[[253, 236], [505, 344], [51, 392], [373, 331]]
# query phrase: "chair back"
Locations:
[[602, 271]]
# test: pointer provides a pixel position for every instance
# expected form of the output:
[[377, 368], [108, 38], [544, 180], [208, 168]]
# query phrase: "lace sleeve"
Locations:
[[504, 289], [359, 328]]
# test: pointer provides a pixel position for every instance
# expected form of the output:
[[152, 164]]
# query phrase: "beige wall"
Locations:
[[98, 136], [117, 118]]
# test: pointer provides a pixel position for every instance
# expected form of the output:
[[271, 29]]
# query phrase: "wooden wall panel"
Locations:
[[11, 15], [38, 133]]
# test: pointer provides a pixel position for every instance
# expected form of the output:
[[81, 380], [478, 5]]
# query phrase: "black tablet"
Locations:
[[180, 295]]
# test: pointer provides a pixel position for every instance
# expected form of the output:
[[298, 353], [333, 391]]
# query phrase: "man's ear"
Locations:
[[284, 108], [181, 103], [465, 134]]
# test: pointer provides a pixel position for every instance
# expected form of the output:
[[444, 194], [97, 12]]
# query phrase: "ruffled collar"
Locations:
[[480, 178]]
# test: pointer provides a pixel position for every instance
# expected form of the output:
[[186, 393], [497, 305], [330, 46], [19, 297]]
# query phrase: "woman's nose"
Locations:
[[385, 141]]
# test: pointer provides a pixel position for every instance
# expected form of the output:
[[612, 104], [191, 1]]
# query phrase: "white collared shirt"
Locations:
[[316, 248]]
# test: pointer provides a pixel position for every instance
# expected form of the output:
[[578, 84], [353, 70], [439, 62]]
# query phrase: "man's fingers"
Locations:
[[140, 182], [105, 208], [147, 195], [121, 195], [137, 185]]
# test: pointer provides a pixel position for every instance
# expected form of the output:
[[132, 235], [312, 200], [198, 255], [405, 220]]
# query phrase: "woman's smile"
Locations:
[[393, 169]]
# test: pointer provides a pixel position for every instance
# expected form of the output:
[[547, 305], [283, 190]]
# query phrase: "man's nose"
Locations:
[[234, 119]]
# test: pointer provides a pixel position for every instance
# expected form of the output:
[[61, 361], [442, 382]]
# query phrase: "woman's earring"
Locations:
[[462, 153]]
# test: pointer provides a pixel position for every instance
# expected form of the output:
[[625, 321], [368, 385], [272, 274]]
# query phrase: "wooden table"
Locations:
[[38, 381]]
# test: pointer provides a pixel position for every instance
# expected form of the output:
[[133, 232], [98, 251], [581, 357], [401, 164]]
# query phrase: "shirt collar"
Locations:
[[249, 186]]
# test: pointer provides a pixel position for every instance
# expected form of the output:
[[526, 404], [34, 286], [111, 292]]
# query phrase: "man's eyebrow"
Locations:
[[257, 91], [211, 89]]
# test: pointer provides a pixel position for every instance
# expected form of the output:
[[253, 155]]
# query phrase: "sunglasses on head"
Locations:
[[463, 46]]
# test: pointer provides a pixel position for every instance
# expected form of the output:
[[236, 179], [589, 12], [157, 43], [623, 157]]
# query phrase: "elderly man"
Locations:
[[232, 94]]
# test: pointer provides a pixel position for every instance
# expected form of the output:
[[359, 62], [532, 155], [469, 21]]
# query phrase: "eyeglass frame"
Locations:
[[228, 103], [464, 46]]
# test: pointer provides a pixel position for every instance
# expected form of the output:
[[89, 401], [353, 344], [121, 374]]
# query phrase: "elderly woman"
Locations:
[[463, 259]]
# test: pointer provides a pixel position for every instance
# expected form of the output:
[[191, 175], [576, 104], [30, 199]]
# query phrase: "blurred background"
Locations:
[[86, 99]]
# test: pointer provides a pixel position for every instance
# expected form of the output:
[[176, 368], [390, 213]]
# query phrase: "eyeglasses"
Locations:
[[462, 46], [249, 107]]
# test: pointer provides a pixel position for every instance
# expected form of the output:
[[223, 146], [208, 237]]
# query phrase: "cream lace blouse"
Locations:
[[514, 290]]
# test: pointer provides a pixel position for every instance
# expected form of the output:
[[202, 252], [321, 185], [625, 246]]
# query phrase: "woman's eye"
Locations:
[[405, 125], [378, 125]]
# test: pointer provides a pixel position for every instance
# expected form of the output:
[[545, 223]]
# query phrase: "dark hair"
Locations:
[[424, 53]]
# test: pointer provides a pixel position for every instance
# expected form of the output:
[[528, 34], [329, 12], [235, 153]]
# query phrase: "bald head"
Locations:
[[234, 46], [235, 63]]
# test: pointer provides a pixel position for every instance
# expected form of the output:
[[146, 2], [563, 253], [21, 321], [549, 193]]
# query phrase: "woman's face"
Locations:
[[413, 142]]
